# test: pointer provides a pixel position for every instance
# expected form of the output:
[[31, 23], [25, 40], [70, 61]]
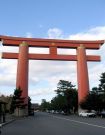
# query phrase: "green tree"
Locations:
[[66, 89], [96, 98], [58, 103], [63, 85], [45, 105], [102, 89], [17, 100], [92, 102], [102, 83]]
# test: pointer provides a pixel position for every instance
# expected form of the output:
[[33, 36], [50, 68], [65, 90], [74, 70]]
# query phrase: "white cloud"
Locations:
[[41, 91], [39, 50], [95, 71], [97, 33], [50, 72], [29, 35], [8, 72], [55, 33]]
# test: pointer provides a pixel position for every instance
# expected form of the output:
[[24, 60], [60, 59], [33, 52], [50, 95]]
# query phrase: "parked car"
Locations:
[[87, 114]]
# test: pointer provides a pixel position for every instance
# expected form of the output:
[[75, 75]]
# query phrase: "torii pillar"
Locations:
[[82, 74], [22, 70]]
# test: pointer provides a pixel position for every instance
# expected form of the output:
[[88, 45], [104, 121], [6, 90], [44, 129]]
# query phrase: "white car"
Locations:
[[87, 114]]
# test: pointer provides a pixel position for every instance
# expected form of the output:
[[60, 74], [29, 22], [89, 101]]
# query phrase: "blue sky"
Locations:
[[36, 16], [68, 19]]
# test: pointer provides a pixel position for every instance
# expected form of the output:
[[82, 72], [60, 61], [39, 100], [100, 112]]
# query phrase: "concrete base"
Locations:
[[20, 112]]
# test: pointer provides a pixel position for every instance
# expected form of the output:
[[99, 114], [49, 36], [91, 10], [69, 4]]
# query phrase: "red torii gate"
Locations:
[[23, 57]]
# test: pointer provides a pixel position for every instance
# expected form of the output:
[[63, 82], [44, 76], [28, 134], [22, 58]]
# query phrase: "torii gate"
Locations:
[[23, 58]]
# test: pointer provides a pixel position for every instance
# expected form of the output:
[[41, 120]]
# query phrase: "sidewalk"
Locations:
[[9, 118]]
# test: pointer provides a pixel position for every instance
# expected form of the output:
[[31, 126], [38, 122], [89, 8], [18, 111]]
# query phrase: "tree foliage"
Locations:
[[17, 100], [65, 100], [96, 98], [45, 105]]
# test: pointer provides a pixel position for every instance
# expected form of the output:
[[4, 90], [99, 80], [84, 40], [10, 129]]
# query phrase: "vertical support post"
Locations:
[[53, 50], [82, 74], [22, 70]]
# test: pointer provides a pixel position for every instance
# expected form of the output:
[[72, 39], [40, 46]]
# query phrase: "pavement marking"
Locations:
[[79, 122]]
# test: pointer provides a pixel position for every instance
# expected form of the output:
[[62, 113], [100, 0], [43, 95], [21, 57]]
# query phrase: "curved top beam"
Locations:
[[39, 42]]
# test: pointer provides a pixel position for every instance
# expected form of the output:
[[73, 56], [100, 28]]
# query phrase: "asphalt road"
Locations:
[[51, 124]]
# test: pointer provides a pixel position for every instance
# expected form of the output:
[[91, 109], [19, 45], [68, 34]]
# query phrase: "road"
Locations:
[[51, 124]]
